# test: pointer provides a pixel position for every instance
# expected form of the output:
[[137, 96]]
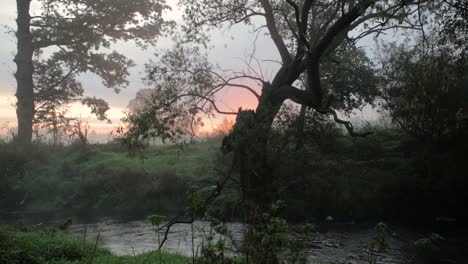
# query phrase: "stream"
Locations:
[[335, 245]]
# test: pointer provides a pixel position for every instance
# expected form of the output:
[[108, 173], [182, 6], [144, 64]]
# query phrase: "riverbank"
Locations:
[[388, 176], [134, 242], [22, 246], [101, 180]]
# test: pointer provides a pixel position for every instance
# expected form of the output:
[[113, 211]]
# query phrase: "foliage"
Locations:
[[80, 31], [424, 90], [24, 247], [53, 94], [454, 29], [430, 248], [90, 179], [186, 84], [183, 82], [430, 243], [350, 79], [272, 234], [380, 241], [18, 247], [55, 89], [387, 175], [155, 220]]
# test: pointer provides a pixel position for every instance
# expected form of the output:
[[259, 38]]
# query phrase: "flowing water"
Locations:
[[136, 237], [351, 245]]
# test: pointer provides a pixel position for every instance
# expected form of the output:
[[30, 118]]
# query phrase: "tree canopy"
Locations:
[[424, 88], [321, 67], [80, 34]]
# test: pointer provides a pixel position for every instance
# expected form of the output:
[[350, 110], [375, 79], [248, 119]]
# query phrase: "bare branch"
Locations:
[[168, 228], [213, 195], [348, 125], [211, 101]]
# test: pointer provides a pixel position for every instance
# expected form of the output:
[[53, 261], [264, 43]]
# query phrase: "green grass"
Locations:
[[194, 161], [101, 177], [191, 161], [146, 258], [18, 247]]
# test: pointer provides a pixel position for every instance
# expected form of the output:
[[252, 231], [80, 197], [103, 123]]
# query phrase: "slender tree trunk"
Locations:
[[24, 73], [55, 131]]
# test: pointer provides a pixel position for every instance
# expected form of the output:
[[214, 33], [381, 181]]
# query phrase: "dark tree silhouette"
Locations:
[[308, 35], [425, 89], [78, 29]]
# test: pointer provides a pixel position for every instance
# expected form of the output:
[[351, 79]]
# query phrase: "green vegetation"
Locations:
[[387, 175], [17, 247], [102, 178], [288, 158]]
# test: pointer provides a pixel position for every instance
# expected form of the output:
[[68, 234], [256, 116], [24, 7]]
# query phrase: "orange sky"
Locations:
[[230, 48], [230, 99]]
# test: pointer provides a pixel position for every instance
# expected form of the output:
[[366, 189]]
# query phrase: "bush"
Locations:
[[387, 175], [25, 247], [18, 247], [90, 179]]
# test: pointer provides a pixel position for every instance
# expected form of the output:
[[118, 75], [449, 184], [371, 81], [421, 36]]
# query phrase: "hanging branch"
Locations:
[[213, 195]]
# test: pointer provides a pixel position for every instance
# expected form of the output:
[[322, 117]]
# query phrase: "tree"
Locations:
[[79, 29], [425, 89], [77, 131], [224, 128], [173, 123], [308, 36], [454, 29], [54, 91]]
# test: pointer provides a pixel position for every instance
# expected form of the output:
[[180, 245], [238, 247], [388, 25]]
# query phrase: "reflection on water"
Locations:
[[348, 245], [136, 237]]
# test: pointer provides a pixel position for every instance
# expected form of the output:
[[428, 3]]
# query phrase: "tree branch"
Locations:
[[342, 24], [214, 194], [276, 37], [348, 125], [211, 101], [307, 99]]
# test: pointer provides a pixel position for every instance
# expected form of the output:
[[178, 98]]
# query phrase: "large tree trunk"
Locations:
[[24, 73], [249, 141]]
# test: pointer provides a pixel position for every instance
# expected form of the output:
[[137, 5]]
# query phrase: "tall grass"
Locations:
[[19, 247], [102, 178]]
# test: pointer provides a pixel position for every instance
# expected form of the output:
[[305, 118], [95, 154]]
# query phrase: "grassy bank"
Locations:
[[18, 247], [385, 176], [102, 178]]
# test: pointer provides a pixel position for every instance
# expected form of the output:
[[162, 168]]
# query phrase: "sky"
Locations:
[[230, 47]]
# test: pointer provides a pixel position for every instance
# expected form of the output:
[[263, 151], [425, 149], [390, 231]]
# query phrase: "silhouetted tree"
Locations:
[[54, 92], [424, 88], [79, 29], [307, 34], [454, 29], [77, 130]]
